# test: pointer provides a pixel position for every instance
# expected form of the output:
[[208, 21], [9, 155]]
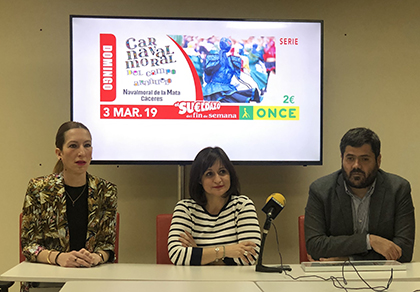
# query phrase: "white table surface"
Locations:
[[36, 272], [321, 286], [173, 286]]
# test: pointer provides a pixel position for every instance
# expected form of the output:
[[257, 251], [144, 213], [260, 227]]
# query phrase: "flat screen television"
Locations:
[[158, 90]]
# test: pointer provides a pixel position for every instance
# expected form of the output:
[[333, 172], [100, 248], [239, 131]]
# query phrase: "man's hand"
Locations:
[[385, 247], [332, 259]]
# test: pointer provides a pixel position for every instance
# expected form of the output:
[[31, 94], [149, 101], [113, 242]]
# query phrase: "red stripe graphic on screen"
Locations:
[[197, 83], [108, 71]]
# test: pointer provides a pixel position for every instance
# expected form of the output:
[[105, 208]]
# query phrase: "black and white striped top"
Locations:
[[236, 222]]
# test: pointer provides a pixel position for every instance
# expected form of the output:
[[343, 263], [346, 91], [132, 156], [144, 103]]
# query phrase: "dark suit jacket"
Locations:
[[329, 219]]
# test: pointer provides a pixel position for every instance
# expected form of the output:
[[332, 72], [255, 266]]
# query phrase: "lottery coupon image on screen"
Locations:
[[158, 90]]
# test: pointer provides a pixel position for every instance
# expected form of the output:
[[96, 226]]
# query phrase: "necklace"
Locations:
[[78, 197]]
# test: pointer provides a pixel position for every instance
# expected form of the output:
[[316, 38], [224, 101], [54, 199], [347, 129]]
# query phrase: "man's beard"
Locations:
[[364, 181]]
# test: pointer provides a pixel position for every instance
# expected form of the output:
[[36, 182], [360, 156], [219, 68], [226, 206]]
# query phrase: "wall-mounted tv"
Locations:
[[158, 90]]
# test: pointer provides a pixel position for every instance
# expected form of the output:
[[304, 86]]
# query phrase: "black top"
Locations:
[[77, 215]]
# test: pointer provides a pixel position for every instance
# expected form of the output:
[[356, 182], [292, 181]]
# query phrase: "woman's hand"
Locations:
[[96, 259], [187, 240], [242, 250], [78, 259]]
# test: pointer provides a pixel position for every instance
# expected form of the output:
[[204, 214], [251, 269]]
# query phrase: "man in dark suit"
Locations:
[[360, 212]]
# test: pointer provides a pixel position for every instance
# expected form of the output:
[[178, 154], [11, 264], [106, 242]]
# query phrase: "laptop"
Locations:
[[378, 265]]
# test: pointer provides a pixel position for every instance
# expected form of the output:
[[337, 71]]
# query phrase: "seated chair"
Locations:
[[163, 222], [303, 254]]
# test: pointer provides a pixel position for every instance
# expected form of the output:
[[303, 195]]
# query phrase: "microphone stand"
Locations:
[[260, 267]]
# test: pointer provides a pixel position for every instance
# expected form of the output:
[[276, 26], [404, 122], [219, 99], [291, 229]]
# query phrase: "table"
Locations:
[[36, 272], [173, 286], [396, 286], [205, 286]]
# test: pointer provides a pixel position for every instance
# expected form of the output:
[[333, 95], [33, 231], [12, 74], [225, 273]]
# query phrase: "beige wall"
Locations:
[[371, 78]]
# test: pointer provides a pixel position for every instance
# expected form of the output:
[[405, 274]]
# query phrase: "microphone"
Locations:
[[273, 206]]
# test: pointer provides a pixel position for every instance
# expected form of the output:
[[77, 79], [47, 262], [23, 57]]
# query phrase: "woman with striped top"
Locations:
[[217, 225]]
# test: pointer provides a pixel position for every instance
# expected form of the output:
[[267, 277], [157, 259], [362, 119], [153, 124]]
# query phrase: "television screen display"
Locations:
[[158, 90]]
